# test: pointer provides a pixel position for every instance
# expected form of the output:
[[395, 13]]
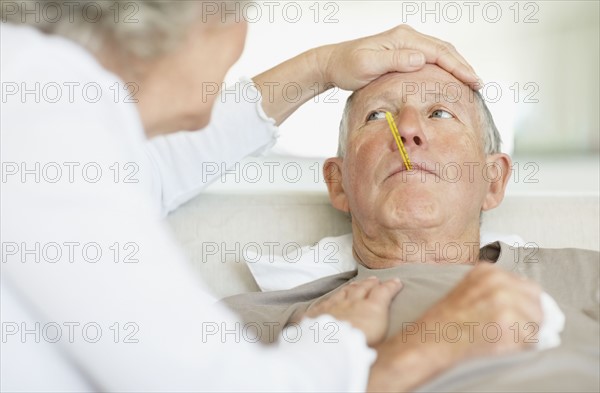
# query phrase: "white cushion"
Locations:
[[331, 255], [300, 219]]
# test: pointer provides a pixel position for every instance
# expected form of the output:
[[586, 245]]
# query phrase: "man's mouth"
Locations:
[[416, 167]]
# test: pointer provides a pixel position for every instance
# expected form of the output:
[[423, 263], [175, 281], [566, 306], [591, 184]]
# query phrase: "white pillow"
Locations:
[[331, 255]]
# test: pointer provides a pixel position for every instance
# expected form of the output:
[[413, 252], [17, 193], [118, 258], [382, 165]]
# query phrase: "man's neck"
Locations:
[[435, 246]]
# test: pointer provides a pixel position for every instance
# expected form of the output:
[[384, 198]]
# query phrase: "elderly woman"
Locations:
[[95, 293]]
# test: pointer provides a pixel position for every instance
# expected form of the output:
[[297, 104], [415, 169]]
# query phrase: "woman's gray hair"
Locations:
[[141, 28], [491, 137]]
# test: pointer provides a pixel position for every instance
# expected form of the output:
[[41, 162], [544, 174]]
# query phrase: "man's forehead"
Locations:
[[431, 83]]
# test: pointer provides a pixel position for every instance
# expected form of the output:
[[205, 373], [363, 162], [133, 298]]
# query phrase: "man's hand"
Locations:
[[487, 295], [353, 64], [365, 304]]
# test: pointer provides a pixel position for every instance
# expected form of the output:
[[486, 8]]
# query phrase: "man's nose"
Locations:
[[410, 129]]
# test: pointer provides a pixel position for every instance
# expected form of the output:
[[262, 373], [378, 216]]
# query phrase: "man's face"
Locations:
[[438, 120]]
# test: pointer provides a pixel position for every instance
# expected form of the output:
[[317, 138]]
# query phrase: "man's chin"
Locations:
[[407, 217]]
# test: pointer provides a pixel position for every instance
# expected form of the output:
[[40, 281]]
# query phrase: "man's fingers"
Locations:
[[386, 291]]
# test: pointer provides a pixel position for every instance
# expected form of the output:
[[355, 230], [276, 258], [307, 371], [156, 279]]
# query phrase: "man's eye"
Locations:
[[376, 115], [441, 114]]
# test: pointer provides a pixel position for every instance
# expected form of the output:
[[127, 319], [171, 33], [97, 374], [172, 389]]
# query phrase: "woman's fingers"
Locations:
[[358, 290], [386, 291], [437, 52], [373, 290], [365, 304], [353, 64], [400, 60]]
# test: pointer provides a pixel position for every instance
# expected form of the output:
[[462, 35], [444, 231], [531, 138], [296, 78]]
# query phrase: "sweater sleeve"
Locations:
[[184, 163]]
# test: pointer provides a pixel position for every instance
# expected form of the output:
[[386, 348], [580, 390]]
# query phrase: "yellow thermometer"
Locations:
[[398, 139]]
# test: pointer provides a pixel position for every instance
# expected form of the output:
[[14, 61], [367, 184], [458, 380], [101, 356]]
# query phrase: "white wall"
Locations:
[[557, 55]]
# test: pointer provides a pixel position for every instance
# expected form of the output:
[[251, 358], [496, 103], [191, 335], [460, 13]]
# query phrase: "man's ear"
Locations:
[[332, 172], [496, 173]]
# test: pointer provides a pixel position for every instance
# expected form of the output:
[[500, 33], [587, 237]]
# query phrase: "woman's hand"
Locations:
[[486, 297], [365, 304], [489, 297], [353, 64]]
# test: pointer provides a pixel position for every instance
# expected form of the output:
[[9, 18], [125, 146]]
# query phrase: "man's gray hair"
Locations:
[[142, 28], [491, 137]]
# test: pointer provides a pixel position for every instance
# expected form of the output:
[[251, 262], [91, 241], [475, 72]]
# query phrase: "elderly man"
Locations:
[[458, 302]]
